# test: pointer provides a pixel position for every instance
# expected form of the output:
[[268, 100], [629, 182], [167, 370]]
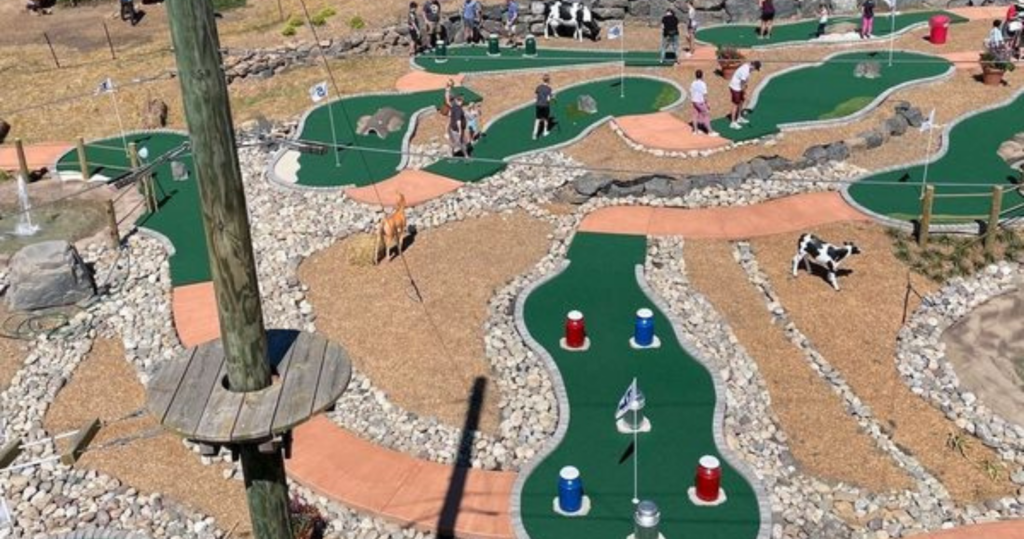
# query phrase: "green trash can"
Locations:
[[493, 47], [441, 52], [530, 46]]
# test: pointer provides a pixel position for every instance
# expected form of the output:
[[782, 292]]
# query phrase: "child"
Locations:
[[545, 95], [867, 20], [691, 27], [822, 19], [701, 108], [473, 113], [995, 36]]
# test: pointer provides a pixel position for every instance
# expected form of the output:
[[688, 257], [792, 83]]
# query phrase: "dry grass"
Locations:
[[104, 385], [12, 351], [953, 255], [856, 332], [426, 356], [823, 438]]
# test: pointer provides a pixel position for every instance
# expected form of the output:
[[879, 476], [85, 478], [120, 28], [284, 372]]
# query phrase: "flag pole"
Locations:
[[892, 29], [120, 123], [334, 134], [622, 60], [636, 457]]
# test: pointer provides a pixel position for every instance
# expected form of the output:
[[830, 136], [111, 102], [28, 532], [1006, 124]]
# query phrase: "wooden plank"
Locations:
[[186, 409], [221, 412], [258, 407], [79, 441], [296, 402], [160, 391], [10, 452], [334, 377]]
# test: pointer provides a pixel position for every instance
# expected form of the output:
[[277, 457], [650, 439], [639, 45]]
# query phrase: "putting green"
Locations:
[[680, 398], [466, 59], [361, 167], [971, 158], [510, 135], [784, 99], [745, 35], [178, 218]]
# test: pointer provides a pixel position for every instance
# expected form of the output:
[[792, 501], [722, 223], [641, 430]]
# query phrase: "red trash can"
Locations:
[[939, 26]]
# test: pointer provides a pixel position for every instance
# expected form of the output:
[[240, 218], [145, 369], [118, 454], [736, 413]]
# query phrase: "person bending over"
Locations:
[[738, 92]]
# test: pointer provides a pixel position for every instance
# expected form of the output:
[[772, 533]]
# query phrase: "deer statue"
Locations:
[[391, 231]]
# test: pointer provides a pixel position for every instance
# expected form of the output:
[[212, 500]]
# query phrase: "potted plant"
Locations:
[[995, 62], [729, 60]]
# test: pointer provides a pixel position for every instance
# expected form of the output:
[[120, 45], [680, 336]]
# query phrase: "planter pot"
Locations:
[[992, 76], [728, 68]]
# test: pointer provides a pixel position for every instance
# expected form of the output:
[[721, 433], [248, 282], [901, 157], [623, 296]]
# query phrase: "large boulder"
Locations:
[[48, 274]]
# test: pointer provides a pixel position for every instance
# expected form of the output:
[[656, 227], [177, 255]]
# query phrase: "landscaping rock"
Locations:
[[873, 138], [625, 188], [897, 125], [587, 104], [658, 186], [914, 116], [760, 168], [48, 274], [816, 154], [604, 14], [591, 184], [154, 114], [837, 151]]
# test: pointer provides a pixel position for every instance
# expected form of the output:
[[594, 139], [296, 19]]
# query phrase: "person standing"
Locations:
[[544, 93], [691, 27], [867, 19], [414, 25], [670, 35], [822, 19], [767, 19], [432, 16], [995, 39], [738, 92], [471, 12], [457, 127], [701, 107], [511, 19]]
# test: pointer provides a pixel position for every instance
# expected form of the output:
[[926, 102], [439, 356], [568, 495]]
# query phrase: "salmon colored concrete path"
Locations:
[[195, 313], [44, 154], [790, 214], [419, 81], [666, 131], [413, 492], [416, 185]]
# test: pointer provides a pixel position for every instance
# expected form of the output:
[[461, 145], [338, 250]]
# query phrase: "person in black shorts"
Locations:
[[544, 93], [767, 19], [457, 127]]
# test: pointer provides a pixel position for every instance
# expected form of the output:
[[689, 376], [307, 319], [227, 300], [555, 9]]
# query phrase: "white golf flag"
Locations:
[[615, 32], [318, 92], [891, 4], [106, 86], [929, 122], [632, 395]]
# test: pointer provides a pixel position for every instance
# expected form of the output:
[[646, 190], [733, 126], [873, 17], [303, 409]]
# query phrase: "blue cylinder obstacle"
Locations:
[[570, 490], [643, 332]]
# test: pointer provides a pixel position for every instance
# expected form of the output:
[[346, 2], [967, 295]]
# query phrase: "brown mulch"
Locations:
[[855, 330], [823, 438], [12, 351], [104, 385], [426, 356]]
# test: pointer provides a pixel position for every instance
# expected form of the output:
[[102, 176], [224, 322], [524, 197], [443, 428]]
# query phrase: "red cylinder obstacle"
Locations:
[[709, 478], [575, 330]]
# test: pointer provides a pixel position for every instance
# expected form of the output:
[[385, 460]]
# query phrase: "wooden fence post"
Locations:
[[83, 161], [926, 216], [109, 42], [52, 52], [115, 235], [19, 148], [993, 218]]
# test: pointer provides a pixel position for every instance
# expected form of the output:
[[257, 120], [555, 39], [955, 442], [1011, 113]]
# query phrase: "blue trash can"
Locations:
[[570, 490], [643, 333]]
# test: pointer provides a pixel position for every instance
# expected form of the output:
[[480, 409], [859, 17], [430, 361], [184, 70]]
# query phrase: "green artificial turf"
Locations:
[[745, 35], [786, 100], [178, 217], [466, 59], [680, 395], [847, 107], [971, 159], [511, 134], [361, 167]]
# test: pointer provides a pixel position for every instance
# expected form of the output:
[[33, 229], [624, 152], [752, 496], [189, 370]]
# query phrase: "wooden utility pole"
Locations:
[[225, 221], [926, 216]]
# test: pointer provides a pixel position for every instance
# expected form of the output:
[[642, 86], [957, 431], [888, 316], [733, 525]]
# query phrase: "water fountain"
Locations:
[[25, 227]]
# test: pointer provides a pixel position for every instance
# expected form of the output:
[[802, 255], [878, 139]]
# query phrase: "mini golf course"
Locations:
[[782, 99], [971, 158], [803, 32], [509, 135], [467, 59], [680, 396], [361, 167], [178, 217]]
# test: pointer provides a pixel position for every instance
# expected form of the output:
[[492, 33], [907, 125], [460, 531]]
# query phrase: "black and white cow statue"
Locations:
[[811, 248], [573, 15]]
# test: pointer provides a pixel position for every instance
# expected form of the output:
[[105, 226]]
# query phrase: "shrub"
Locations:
[[328, 12], [728, 54], [288, 31], [356, 23], [307, 522], [294, 20], [998, 58], [318, 20]]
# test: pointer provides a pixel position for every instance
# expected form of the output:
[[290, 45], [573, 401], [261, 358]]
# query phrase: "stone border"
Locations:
[[943, 149], [162, 239], [101, 533], [527, 469], [811, 42], [718, 423]]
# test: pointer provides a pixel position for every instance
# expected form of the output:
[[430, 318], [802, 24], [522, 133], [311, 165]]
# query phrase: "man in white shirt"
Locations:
[[995, 36], [738, 91], [701, 108]]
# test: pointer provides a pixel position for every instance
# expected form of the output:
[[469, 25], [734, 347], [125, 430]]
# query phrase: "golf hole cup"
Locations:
[[643, 331], [570, 490], [575, 330], [709, 479]]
